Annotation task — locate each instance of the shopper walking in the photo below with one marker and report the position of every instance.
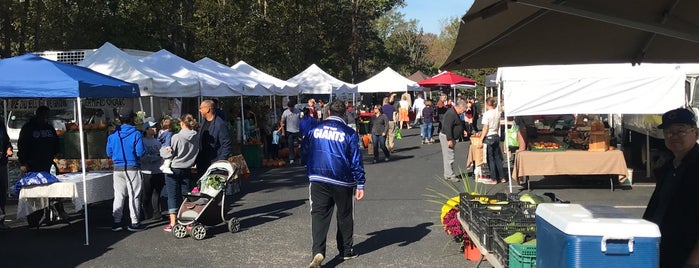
(452, 129)
(333, 181)
(379, 129)
(390, 111)
(125, 148)
(428, 117)
(291, 126)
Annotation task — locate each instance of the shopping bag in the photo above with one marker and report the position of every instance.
(482, 173)
(398, 134)
(512, 140)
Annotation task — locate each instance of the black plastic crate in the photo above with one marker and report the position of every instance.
(469, 204)
(500, 248)
(515, 222)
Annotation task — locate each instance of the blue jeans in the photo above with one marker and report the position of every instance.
(426, 129)
(176, 185)
(379, 141)
(290, 138)
(494, 156)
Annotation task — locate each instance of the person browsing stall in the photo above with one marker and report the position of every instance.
(125, 148)
(333, 182)
(491, 138)
(674, 205)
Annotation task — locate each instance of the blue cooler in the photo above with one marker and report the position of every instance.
(572, 235)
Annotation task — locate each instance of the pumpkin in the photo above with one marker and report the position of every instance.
(281, 163)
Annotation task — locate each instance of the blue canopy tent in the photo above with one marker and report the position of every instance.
(31, 76)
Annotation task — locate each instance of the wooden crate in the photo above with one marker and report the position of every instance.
(599, 141)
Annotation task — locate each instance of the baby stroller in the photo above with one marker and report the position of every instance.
(206, 207)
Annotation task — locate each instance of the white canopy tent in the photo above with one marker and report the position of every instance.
(251, 86)
(212, 85)
(314, 80)
(591, 89)
(278, 87)
(388, 80)
(112, 61)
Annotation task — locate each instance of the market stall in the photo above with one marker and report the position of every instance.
(30, 76)
(70, 186)
(585, 89)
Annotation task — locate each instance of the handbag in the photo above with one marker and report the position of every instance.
(398, 134)
(511, 136)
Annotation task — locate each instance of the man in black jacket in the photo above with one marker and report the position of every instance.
(5, 152)
(452, 129)
(674, 205)
(38, 145)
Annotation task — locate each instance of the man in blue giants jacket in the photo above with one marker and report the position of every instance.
(334, 170)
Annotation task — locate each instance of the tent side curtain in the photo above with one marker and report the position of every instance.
(529, 91)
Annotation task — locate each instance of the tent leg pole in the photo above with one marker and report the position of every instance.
(648, 156)
(84, 170)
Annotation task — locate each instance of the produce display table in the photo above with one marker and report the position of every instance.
(571, 162)
(485, 254)
(70, 186)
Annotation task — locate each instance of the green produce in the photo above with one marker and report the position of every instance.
(531, 242)
(516, 238)
(532, 199)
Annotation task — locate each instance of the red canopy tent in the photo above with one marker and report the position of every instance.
(446, 78)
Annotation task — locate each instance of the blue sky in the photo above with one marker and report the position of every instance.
(430, 13)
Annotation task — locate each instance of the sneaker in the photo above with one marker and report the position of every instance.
(317, 261)
(117, 227)
(373, 161)
(136, 227)
(489, 182)
(291, 162)
(350, 255)
(452, 179)
(168, 228)
(4, 227)
(386, 159)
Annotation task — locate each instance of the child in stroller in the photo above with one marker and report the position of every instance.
(201, 208)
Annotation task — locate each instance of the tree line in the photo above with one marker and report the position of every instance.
(350, 39)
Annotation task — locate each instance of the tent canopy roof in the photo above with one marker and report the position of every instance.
(314, 80)
(278, 87)
(387, 80)
(592, 89)
(112, 61)
(251, 86)
(31, 76)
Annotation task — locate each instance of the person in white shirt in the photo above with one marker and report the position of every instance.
(418, 105)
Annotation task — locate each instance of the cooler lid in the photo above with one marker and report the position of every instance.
(576, 219)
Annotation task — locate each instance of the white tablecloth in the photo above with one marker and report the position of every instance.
(99, 188)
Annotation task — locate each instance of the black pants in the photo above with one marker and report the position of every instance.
(152, 188)
(324, 197)
(3, 190)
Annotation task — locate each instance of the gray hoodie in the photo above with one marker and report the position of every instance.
(185, 147)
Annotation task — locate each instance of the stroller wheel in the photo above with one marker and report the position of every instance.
(234, 225)
(198, 231)
(179, 231)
